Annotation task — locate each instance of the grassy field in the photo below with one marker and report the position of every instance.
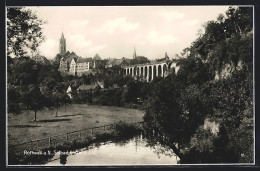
(22, 128)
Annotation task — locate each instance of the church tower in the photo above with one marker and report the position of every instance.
(62, 45)
(134, 56)
(166, 56)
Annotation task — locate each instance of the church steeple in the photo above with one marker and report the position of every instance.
(166, 56)
(134, 56)
(62, 44)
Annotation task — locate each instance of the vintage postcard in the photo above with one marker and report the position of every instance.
(130, 85)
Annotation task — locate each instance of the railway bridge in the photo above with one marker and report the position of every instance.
(148, 71)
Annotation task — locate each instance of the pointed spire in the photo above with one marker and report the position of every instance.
(134, 56)
(62, 46)
(166, 56)
(62, 36)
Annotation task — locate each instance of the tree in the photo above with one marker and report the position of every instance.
(163, 114)
(24, 72)
(133, 92)
(59, 96)
(58, 99)
(23, 30)
(13, 99)
(66, 100)
(36, 100)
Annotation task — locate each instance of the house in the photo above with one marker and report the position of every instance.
(97, 58)
(97, 62)
(89, 88)
(40, 59)
(69, 91)
(84, 65)
(101, 84)
(65, 62)
(117, 62)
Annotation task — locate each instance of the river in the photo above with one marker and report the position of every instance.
(134, 151)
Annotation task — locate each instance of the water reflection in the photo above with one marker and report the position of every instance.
(135, 151)
(63, 159)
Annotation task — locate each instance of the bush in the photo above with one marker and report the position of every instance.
(126, 130)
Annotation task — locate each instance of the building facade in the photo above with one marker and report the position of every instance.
(40, 59)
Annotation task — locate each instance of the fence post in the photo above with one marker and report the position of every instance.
(31, 145)
(54, 143)
(49, 141)
(67, 137)
(91, 130)
(80, 135)
(37, 146)
(104, 128)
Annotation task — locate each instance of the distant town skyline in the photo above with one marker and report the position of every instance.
(115, 31)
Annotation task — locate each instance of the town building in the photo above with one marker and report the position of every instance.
(69, 91)
(117, 62)
(89, 88)
(72, 64)
(40, 59)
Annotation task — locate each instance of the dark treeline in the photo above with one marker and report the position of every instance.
(33, 86)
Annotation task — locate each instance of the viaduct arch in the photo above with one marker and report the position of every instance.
(149, 71)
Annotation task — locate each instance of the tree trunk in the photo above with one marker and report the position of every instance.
(177, 152)
(35, 112)
(235, 27)
(57, 111)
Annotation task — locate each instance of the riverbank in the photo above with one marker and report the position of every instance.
(120, 132)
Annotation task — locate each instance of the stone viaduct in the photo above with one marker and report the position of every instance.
(149, 71)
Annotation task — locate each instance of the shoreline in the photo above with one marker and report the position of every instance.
(44, 154)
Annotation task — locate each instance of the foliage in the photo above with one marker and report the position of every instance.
(58, 99)
(126, 130)
(194, 71)
(23, 72)
(172, 112)
(13, 99)
(23, 30)
(36, 100)
(178, 105)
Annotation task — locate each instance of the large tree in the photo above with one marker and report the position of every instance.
(23, 31)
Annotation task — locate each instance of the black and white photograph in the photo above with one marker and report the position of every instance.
(159, 85)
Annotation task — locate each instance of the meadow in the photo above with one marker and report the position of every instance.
(22, 128)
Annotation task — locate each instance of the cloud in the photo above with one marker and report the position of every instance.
(119, 23)
(157, 38)
(49, 48)
(79, 23)
(97, 48)
(190, 22)
(79, 40)
(171, 15)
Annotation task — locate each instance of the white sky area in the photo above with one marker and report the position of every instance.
(114, 31)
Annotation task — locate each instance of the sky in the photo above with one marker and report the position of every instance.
(113, 32)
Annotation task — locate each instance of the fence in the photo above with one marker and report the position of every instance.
(37, 144)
